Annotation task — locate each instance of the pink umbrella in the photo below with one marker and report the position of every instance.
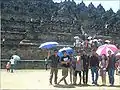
(105, 48)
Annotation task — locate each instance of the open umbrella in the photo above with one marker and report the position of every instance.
(16, 57)
(89, 37)
(76, 37)
(67, 49)
(107, 41)
(103, 49)
(95, 40)
(118, 54)
(48, 45)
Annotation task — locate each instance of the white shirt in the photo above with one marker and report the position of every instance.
(12, 61)
(66, 59)
(79, 63)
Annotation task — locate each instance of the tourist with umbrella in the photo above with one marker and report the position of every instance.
(13, 61)
(94, 65)
(54, 61)
(109, 50)
(48, 46)
(69, 52)
(111, 67)
(65, 63)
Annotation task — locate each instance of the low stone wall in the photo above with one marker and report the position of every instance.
(26, 64)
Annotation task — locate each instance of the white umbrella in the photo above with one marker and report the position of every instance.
(99, 39)
(95, 40)
(16, 57)
(65, 48)
(89, 37)
(76, 37)
(118, 54)
(108, 41)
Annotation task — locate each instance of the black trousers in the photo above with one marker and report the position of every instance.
(46, 66)
(75, 74)
(85, 76)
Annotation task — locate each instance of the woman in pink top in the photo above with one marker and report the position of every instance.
(103, 66)
(8, 66)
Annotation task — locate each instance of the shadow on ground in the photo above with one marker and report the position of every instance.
(82, 85)
(64, 86)
(118, 86)
(73, 86)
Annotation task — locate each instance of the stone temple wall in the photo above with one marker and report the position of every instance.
(39, 21)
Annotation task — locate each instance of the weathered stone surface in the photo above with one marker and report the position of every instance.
(43, 20)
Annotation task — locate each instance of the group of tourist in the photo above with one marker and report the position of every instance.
(80, 64)
(10, 65)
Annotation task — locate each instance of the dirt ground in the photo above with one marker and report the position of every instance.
(39, 79)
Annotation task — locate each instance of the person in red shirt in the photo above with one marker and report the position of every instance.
(8, 66)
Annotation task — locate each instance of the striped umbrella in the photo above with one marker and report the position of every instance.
(103, 49)
(48, 45)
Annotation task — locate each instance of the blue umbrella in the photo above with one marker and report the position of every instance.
(48, 45)
(67, 49)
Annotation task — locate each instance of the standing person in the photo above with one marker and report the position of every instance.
(78, 68)
(85, 59)
(111, 67)
(94, 65)
(8, 66)
(65, 63)
(54, 61)
(46, 63)
(103, 66)
(12, 62)
(118, 66)
(71, 67)
(46, 60)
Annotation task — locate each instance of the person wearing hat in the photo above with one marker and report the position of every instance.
(54, 61)
(65, 63)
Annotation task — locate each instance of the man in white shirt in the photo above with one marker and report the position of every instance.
(12, 62)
